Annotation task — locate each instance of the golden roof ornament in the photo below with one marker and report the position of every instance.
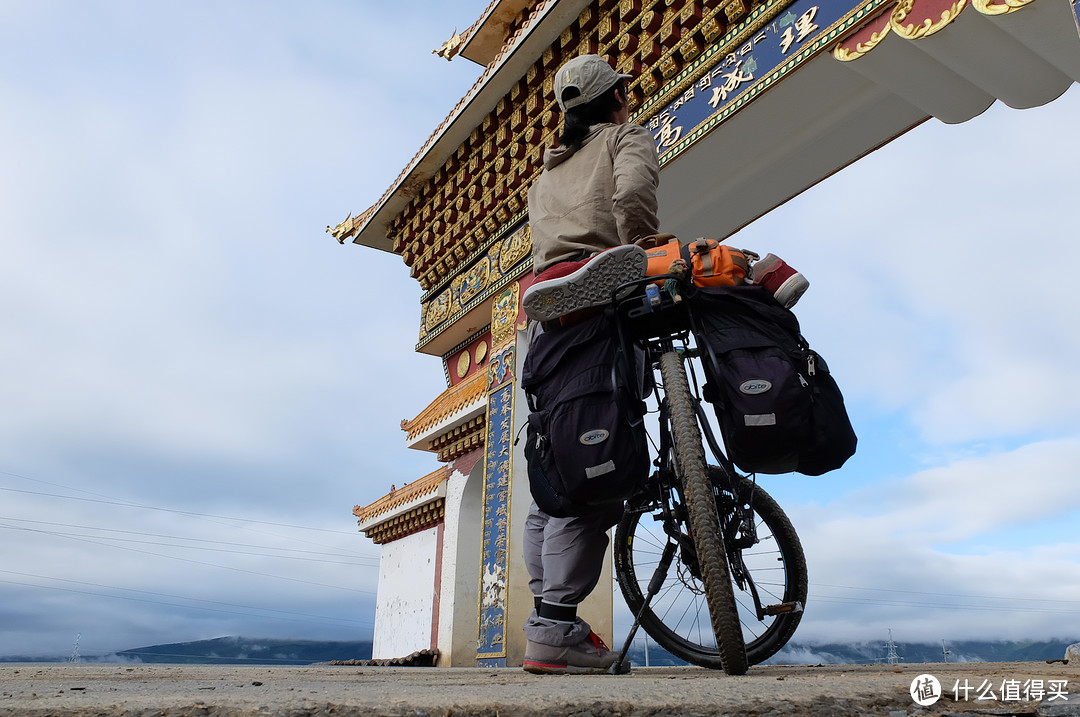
(451, 47)
(344, 230)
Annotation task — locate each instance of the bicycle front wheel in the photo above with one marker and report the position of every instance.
(677, 617)
(702, 516)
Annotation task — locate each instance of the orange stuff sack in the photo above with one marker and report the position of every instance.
(716, 264)
(661, 250)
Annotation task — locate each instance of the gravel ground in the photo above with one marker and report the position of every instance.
(35, 690)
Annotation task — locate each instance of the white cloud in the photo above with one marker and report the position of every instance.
(932, 554)
(177, 330)
(938, 270)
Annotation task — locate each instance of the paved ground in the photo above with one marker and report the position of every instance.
(35, 690)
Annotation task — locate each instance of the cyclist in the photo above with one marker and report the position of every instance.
(595, 197)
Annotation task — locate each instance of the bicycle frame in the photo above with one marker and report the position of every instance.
(652, 315)
(659, 328)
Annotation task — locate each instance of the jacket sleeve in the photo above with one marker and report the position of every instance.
(636, 175)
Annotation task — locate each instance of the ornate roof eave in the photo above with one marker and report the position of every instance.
(486, 37)
(848, 109)
(401, 500)
(455, 406)
(552, 16)
(929, 53)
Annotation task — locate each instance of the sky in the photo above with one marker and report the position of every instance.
(197, 383)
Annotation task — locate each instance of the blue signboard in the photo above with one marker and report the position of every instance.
(491, 634)
(758, 61)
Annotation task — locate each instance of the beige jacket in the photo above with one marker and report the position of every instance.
(598, 196)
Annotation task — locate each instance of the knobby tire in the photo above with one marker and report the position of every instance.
(776, 563)
(703, 516)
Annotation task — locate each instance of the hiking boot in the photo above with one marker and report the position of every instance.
(588, 657)
(587, 286)
(786, 284)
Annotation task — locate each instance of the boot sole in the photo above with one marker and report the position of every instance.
(791, 290)
(548, 668)
(589, 286)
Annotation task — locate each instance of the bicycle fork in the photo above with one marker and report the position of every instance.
(620, 667)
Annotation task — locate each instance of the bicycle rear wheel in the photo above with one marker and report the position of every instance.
(677, 617)
(703, 517)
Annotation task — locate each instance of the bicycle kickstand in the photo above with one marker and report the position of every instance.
(621, 666)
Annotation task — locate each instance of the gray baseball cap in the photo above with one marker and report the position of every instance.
(590, 75)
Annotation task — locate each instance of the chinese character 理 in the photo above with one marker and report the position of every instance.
(803, 27)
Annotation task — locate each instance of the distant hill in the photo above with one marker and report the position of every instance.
(959, 651)
(250, 651)
(228, 651)
(873, 652)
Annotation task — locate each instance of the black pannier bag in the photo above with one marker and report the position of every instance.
(778, 407)
(586, 443)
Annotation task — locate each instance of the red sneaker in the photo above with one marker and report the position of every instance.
(786, 284)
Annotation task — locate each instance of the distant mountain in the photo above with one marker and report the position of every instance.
(250, 651)
(959, 651)
(228, 651)
(873, 652)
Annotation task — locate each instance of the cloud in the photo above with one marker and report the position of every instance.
(177, 332)
(936, 271)
(933, 553)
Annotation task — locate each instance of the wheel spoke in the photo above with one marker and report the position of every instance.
(678, 618)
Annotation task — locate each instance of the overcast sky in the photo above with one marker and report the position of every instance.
(198, 383)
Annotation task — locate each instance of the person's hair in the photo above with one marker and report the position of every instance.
(577, 121)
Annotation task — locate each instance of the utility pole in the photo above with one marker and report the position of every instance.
(75, 649)
(891, 657)
(944, 652)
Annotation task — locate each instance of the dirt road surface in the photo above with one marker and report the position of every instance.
(1000, 688)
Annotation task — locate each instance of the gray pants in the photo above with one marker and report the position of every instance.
(565, 557)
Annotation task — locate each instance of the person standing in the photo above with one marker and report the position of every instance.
(594, 198)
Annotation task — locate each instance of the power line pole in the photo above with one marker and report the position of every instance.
(944, 652)
(892, 657)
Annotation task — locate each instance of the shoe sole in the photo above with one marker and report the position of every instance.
(791, 290)
(589, 286)
(547, 668)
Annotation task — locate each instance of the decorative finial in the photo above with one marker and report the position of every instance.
(344, 230)
(450, 47)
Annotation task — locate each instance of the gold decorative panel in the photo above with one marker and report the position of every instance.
(463, 214)
(473, 282)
